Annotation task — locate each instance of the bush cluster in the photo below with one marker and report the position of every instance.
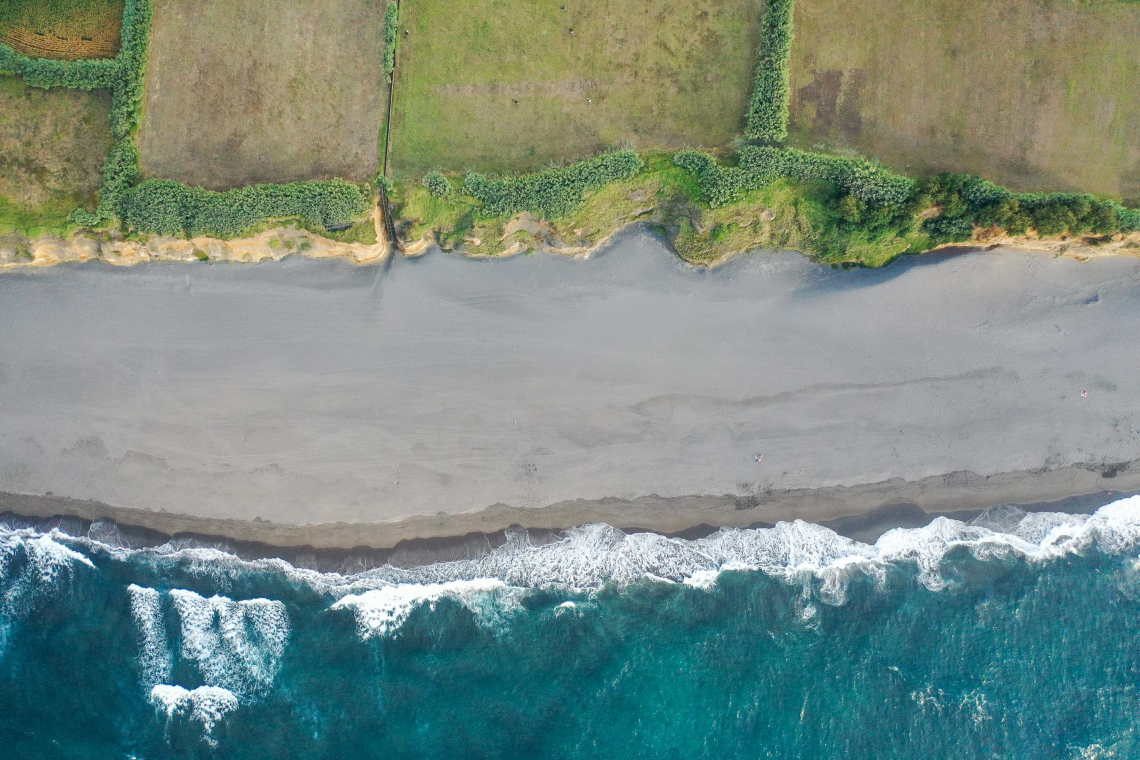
(768, 109)
(758, 166)
(391, 39)
(875, 200)
(720, 184)
(123, 76)
(552, 193)
(437, 184)
(164, 207)
(965, 201)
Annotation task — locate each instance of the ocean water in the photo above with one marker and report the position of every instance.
(1013, 636)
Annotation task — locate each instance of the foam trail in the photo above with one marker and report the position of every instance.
(206, 705)
(236, 645)
(155, 663)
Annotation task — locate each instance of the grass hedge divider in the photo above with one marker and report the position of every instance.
(768, 109)
(391, 39)
(164, 207)
(552, 193)
(758, 166)
(123, 76)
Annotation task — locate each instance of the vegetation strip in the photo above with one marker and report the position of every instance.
(768, 110)
(554, 192)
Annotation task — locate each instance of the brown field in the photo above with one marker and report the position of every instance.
(62, 29)
(1035, 94)
(263, 91)
(52, 146)
(502, 84)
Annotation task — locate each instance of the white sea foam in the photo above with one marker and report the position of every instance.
(32, 567)
(155, 663)
(236, 645)
(381, 611)
(590, 556)
(206, 704)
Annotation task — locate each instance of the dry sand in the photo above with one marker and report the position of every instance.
(326, 398)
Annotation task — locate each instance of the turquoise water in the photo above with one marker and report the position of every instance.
(1017, 636)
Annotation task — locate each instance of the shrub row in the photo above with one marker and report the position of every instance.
(965, 201)
(874, 199)
(759, 166)
(554, 192)
(768, 109)
(164, 207)
(391, 39)
(123, 76)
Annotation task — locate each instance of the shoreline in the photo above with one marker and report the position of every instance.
(862, 512)
(278, 243)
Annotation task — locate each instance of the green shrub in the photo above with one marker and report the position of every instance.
(720, 184)
(163, 207)
(123, 76)
(555, 192)
(437, 184)
(965, 201)
(768, 110)
(759, 166)
(391, 39)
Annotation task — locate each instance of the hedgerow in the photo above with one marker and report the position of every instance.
(391, 39)
(768, 109)
(164, 207)
(964, 201)
(759, 166)
(873, 199)
(123, 76)
(437, 184)
(555, 192)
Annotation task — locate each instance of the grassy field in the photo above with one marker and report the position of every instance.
(263, 91)
(52, 145)
(1034, 94)
(499, 85)
(66, 29)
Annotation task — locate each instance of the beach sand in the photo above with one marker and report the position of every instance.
(324, 403)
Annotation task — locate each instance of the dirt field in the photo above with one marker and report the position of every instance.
(52, 145)
(65, 29)
(1036, 94)
(263, 91)
(503, 85)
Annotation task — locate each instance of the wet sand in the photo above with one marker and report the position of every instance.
(330, 400)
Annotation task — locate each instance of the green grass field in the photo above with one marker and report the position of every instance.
(1034, 94)
(62, 28)
(52, 145)
(656, 73)
(263, 91)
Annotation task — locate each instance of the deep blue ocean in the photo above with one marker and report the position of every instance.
(1013, 636)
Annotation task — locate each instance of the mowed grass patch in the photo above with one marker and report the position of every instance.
(501, 85)
(52, 146)
(63, 29)
(239, 93)
(1032, 94)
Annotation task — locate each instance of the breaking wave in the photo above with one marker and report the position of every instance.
(32, 566)
(206, 705)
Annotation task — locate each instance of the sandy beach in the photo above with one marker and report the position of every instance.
(325, 403)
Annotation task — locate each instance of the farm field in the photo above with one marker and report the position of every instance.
(1033, 94)
(263, 91)
(52, 146)
(502, 85)
(63, 29)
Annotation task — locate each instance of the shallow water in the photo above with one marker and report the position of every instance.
(1013, 636)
